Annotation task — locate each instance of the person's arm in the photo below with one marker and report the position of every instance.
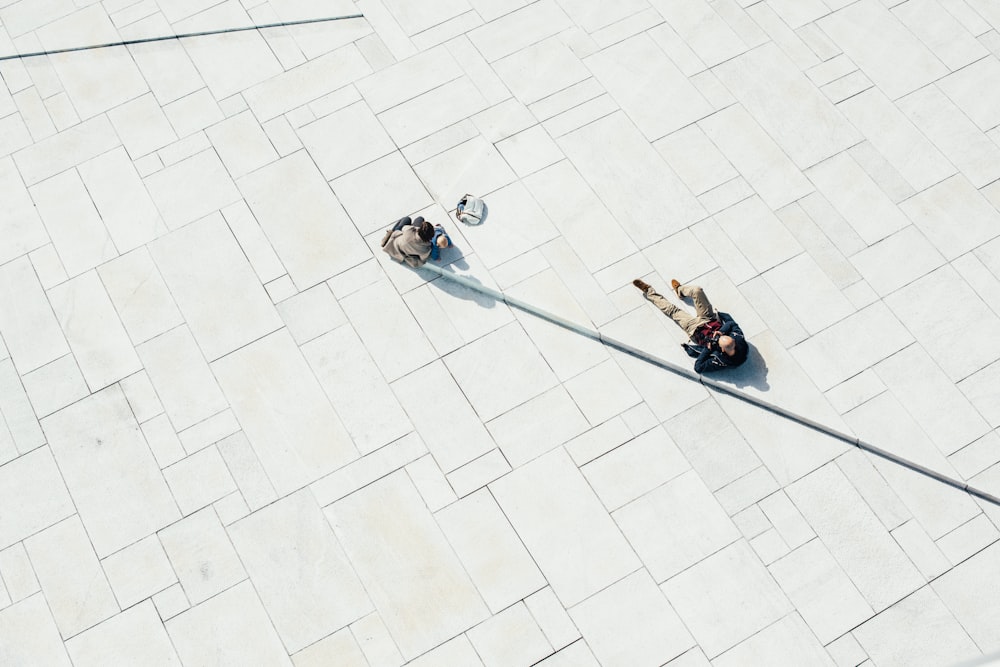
(706, 362)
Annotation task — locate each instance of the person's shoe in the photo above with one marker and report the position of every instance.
(640, 284)
(675, 286)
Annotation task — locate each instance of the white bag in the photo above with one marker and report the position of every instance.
(471, 210)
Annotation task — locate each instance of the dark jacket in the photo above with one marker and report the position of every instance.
(710, 358)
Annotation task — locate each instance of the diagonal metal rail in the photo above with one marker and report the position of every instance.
(716, 385)
(165, 38)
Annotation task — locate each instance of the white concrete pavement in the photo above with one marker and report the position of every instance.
(235, 433)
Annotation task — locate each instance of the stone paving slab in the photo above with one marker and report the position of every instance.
(232, 431)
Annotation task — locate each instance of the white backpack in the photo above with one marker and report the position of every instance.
(471, 210)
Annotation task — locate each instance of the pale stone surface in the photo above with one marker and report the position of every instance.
(279, 545)
(731, 577)
(406, 564)
(820, 590)
(229, 629)
(576, 545)
(202, 555)
(826, 169)
(30, 621)
(631, 623)
(115, 483)
(205, 270)
(869, 556)
(71, 577)
(135, 636)
(287, 417)
(919, 630)
(34, 494)
(685, 513)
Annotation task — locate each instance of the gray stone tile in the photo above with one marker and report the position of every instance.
(957, 137)
(199, 480)
(93, 330)
(75, 226)
(540, 70)
(34, 636)
(230, 628)
(96, 81)
(942, 32)
(182, 378)
(758, 233)
(646, 197)
(136, 636)
(712, 444)
(202, 555)
(911, 64)
(732, 576)
(511, 637)
(919, 630)
(122, 201)
(31, 330)
(345, 140)
(787, 115)
(821, 591)
(662, 527)
(285, 411)
(279, 546)
(228, 316)
(870, 213)
(575, 211)
(500, 371)
(71, 577)
(36, 495)
(22, 227)
(548, 498)
(624, 70)
(838, 353)
(954, 203)
(631, 623)
(380, 524)
(340, 646)
(537, 426)
(115, 483)
(774, 643)
(138, 571)
(360, 395)
(192, 188)
(493, 555)
(897, 260)
(54, 386)
(943, 288)
(855, 537)
(964, 590)
(635, 469)
(934, 402)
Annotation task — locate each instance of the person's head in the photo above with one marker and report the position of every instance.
(735, 349)
(426, 231)
(443, 242)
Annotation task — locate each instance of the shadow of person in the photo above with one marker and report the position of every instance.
(752, 373)
(455, 289)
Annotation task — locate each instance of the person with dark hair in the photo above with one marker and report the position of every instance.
(409, 241)
(716, 340)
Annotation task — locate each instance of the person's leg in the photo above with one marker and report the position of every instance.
(702, 306)
(402, 222)
(683, 320)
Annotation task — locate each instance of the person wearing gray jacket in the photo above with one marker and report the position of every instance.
(409, 241)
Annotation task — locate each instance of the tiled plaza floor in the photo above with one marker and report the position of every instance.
(235, 433)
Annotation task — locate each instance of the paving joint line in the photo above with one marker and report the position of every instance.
(164, 38)
(718, 386)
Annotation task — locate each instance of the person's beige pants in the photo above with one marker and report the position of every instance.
(702, 308)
